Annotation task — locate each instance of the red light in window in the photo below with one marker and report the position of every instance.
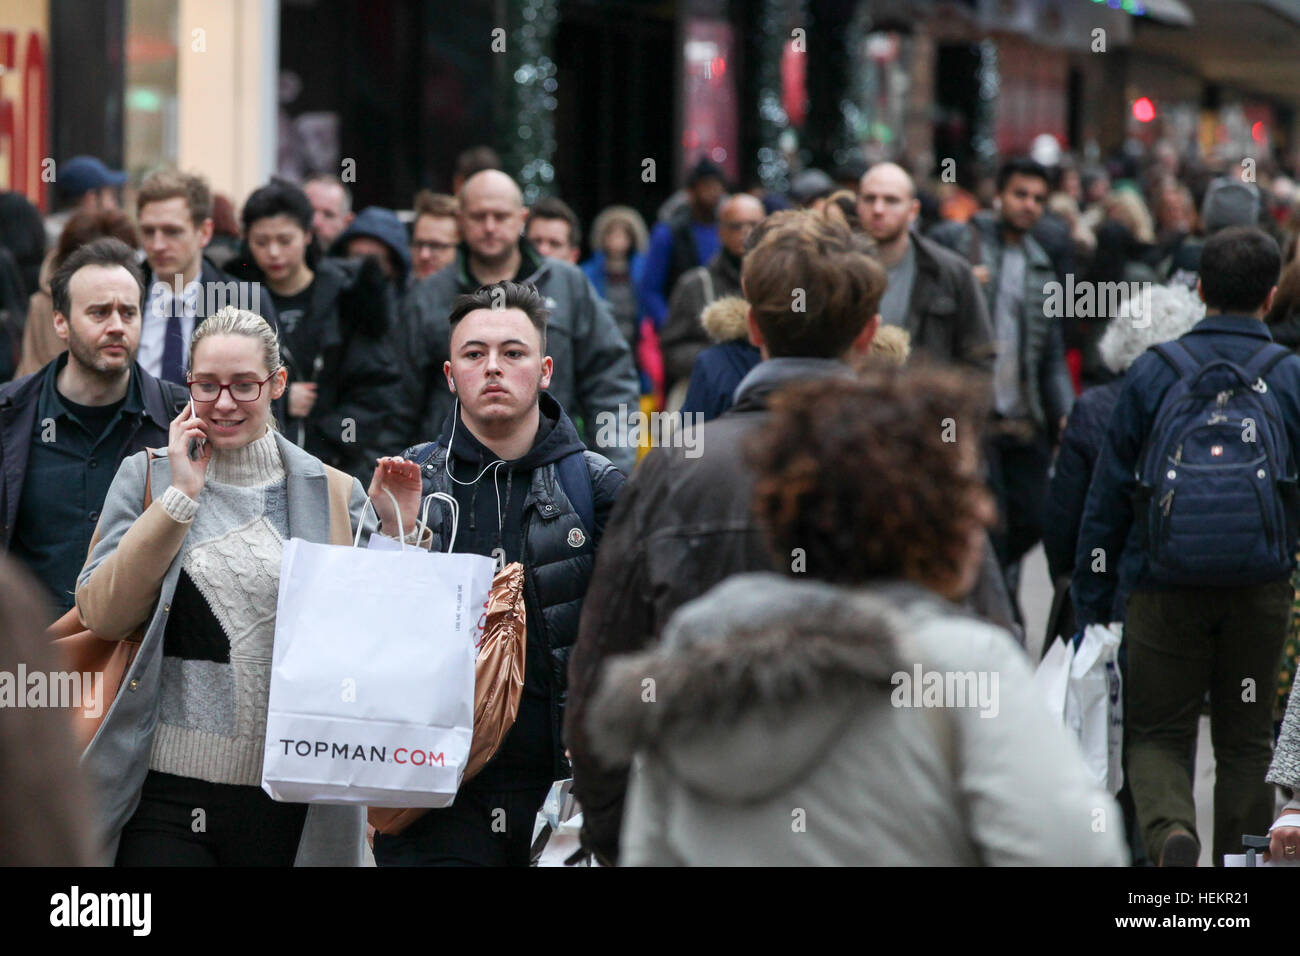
(1144, 111)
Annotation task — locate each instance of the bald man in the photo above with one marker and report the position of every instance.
(593, 368)
(932, 292)
(683, 337)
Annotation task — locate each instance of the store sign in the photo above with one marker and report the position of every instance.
(24, 114)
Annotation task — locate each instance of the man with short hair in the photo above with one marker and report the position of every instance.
(683, 337)
(332, 203)
(931, 292)
(174, 211)
(528, 491)
(685, 523)
(688, 239)
(1184, 641)
(594, 373)
(554, 229)
(65, 428)
(1032, 390)
(434, 234)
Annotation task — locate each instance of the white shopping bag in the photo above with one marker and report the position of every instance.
(557, 829)
(372, 674)
(1082, 686)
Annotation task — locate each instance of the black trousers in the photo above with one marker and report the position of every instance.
(1017, 469)
(482, 828)
(182, 821)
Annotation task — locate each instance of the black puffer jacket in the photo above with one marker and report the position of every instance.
(351, 362)
(543, 530)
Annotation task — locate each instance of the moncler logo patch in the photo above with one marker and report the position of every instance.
(576, 538)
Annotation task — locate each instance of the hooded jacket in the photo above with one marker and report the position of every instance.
(684, 523)
(375, 222)
(790, 726)
(720, 367)
(594, 372)
(351, 362)
(522, 508)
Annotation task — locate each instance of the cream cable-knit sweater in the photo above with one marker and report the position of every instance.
(217, 644)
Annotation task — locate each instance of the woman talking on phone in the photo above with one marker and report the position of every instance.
(188, 552)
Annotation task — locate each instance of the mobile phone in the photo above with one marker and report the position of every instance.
(196, 444)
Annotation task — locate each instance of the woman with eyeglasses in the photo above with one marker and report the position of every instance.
(186, 560)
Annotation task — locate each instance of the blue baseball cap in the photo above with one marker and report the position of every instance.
(81, 174)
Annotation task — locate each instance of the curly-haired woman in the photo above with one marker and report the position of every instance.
(846, 712)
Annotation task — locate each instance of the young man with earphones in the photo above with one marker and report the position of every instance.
(528, 491)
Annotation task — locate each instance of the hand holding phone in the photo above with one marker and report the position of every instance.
(188, 452)
(196, 444)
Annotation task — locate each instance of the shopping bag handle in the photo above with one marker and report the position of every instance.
(453, 504)
(424, 517)
(361, 524)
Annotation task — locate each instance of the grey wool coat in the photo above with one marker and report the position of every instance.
(117, 759)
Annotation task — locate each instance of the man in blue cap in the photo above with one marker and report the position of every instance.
(81, 183)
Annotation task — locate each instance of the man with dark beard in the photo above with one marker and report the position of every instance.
(65, 428)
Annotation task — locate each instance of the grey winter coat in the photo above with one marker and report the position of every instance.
(785, 730)
(117, 760)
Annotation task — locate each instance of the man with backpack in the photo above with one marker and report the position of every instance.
(528, 491)
(1195, 487)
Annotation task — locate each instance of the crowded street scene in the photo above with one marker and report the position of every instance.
(687, 433)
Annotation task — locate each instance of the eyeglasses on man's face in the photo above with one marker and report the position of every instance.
(239, 391)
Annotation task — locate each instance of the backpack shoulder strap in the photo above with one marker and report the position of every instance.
(1176, 354)
(575, 479)
(1262, 362)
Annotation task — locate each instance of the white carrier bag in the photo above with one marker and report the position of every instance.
(1082, 687)
(372, 674)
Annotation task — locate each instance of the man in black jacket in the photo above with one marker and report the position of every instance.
(66, 428)
(183, 288)
(528, 491)
(932, 292)
(344, 381)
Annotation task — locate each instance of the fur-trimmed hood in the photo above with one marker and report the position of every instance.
(725, 319)
(753, 683)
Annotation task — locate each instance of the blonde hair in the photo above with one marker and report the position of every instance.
(1126, 207)
(235, 321)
